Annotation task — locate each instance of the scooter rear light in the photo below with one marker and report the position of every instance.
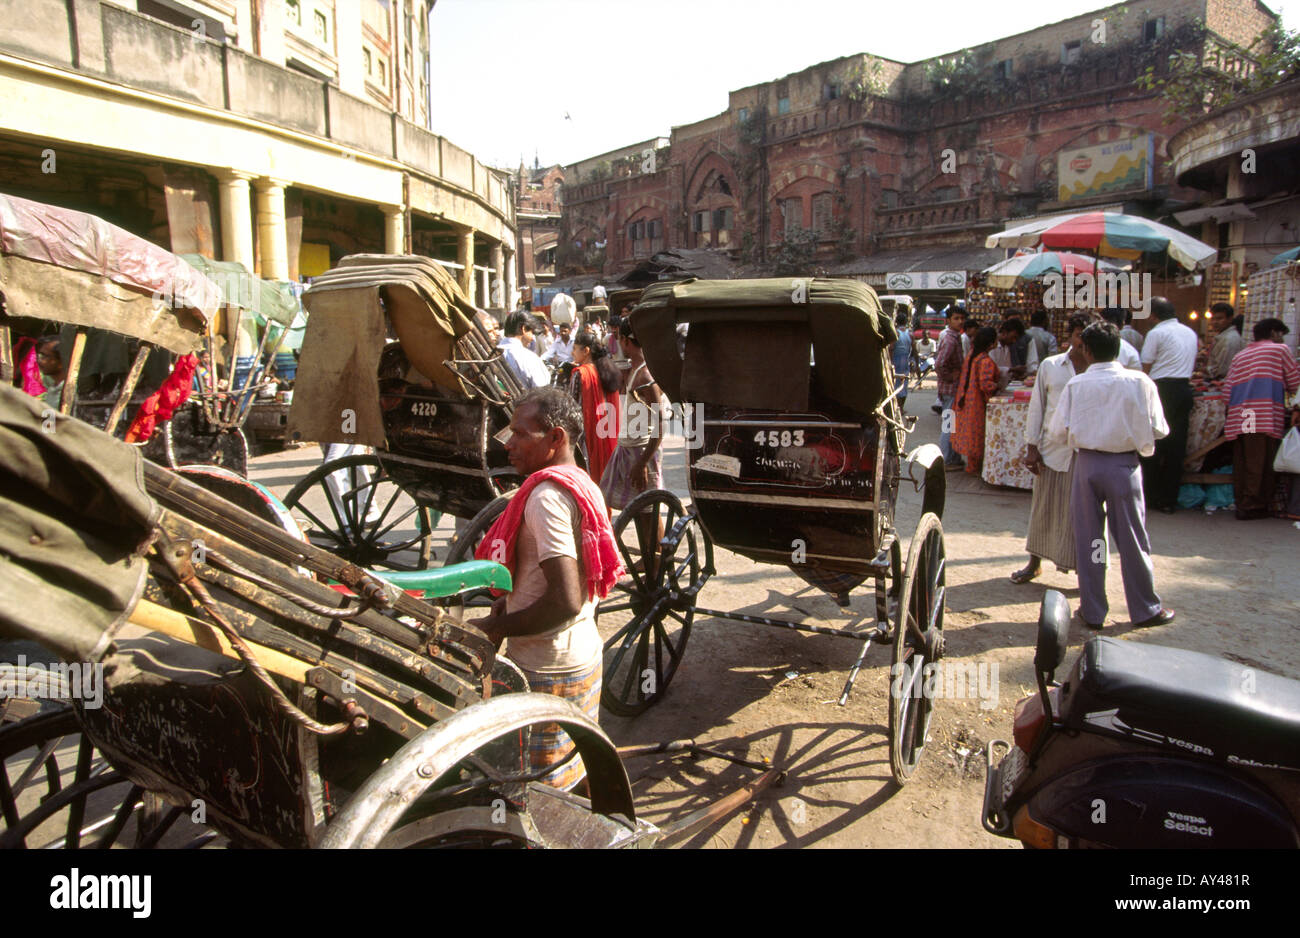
(1029, 721)
(1031, 833)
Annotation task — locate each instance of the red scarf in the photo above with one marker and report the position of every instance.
(599, 447)
(600, 557)
(159, 406)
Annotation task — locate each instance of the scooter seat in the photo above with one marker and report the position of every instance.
(1187, 702)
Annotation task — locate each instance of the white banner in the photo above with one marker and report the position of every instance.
(926, 280)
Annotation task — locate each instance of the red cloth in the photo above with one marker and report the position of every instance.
(161, 404)
(30, 369)
(600, 557)
(600, 446)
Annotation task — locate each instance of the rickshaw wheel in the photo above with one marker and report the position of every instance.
(467, 541)
(662, 549)
(371, 522)
(379, 813)
(58, 790)
(918, 643)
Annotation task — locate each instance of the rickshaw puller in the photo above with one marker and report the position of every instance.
(557, 543)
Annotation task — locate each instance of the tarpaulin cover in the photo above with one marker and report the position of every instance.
(74, 518)
(765, 326)
(346, 330)
(268, 299)
(78, 241)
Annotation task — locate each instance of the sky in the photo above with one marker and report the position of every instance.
(562, 80)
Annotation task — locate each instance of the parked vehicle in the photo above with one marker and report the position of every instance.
(1147, 746)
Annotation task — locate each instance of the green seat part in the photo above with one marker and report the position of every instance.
(448, 581)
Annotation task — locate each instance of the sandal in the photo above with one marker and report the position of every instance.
(1025, 574)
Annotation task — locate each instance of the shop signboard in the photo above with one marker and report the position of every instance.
(954, 280)
(1117, 166)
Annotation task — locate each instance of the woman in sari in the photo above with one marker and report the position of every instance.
(979, 381)
(595, 383)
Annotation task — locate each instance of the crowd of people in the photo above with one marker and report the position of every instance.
(1107, 426)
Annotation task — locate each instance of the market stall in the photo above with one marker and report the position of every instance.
(1004, 433)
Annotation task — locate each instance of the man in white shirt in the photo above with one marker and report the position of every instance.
(1016, 355)
(561, 349)
(1050, 533)
(1169, 355)
(516, 349)
(1109, 415)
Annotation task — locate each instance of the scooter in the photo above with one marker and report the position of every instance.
(1145, 746)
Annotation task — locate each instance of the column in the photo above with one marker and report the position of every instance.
(1236, 189)
(510, 298)
(236, 217)
(394, 229)
(273, 236)
(465, 257)
(498, 293)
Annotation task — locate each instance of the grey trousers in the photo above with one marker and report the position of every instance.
(1108, 488)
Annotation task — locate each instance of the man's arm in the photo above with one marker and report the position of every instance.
(561, 602)
(1150, 349)
(1059, 426)
(1159, 426)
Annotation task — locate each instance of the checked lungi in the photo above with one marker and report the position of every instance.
(1051, 534)
(548, 743)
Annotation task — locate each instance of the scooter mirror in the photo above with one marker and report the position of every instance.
(1053, 633)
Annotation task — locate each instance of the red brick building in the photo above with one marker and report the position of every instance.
(537, 210)
(868, 165)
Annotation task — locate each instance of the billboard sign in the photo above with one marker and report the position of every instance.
(1117, 166)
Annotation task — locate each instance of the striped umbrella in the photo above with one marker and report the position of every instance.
(1005, 274)
(1108, 234)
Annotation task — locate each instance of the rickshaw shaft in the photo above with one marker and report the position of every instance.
(877, 634)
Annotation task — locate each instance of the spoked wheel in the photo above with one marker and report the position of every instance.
(918, 645)
(648, 616)
(353, 508)
(404, 803)
(58, 790)
(468, 539)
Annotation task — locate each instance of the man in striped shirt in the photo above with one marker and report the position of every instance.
(1262, 375)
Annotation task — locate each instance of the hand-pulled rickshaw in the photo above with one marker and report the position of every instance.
(394, 359)
(254, 686)
(787, 390)
(131, 308)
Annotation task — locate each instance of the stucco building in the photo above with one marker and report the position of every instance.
(282, 134)
(874, 167)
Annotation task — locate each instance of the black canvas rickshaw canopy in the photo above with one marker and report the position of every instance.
(748, 342)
